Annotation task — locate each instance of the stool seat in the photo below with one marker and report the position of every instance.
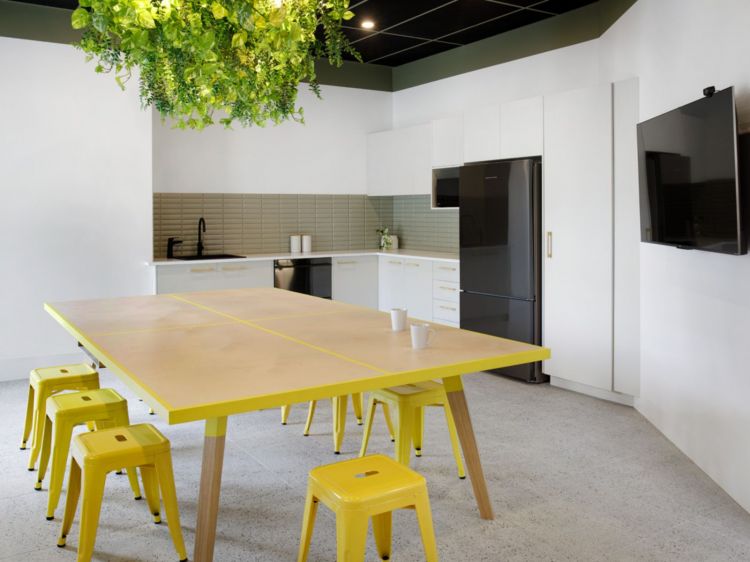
(63, 374)
(43, 383)
(365, 480)
(95, 454)
(110, 449)
(103, 407)
(364, 489)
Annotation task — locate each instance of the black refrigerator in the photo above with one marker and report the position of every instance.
(500, 239)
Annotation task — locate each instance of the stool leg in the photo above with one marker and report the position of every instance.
(44, 460)
(418, 433)
(339, 404)
(151, 489)
(424, 518)
(285, 413)
(121, 419)
(308, 524)
(382, 526)
(310, 415)
(388, 422)
(357, 404)
(93, 492)
(351, 536)
(71, 501)
(371, 405)
(29, 418)
(404, 434)
(63, 433)
(454, 440)
(40, 413)
(166, 483)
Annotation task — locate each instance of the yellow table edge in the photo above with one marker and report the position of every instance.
(381, 379)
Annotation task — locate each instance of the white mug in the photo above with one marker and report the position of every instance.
(421, 335)
(398, 319)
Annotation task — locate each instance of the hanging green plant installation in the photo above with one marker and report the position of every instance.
(243, 58)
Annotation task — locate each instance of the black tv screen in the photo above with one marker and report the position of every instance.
(690, 193)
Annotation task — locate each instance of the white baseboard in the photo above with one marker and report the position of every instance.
(17, 368)
(624, 399)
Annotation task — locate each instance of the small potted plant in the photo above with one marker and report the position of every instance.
(386, 241)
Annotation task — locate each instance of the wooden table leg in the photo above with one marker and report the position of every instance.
(210, 489)
(460, 410)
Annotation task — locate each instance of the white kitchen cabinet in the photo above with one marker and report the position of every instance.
(390, 283)
(355, 280)
(482, 133)
(577, 271)
(446, 293)
(406, 283)
(447, 142)
(522, 128)
(417, 288)
(209, 276)
(399, 162)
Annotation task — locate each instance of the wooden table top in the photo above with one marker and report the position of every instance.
(195, 356)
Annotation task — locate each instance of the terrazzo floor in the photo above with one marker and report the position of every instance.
(571, 478)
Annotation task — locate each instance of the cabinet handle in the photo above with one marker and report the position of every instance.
(448, 288)
(448, 308)
(202, 269)
(394, 262)
(447, 268)
(549, 244)
(350, 262)
(234, 268)
(413, 264)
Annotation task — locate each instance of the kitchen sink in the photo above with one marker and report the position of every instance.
(208, 257)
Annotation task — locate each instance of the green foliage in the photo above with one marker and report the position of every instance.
(244, 58)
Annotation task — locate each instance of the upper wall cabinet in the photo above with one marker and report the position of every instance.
(482, 133)
(447, 142)
(399, 162)
(522, 128)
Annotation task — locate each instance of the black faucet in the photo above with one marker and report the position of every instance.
(171, 243)
(201, 229)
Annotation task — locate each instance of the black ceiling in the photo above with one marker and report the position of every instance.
(408, 30)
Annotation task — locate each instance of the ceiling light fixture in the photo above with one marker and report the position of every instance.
(368, 24)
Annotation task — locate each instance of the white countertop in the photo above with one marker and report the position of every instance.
(404, 253)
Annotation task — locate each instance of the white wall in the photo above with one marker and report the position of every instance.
(695, 306)
(75, 178)
(325, 155)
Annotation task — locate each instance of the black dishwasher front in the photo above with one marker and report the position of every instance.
(311, 276)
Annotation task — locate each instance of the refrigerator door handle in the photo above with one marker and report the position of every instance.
(549, 244)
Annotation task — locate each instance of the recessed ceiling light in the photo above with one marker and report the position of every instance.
(368, 24)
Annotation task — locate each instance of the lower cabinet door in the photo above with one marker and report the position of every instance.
(417, 288)
(390, 283)
(355, 280)
(181, 278)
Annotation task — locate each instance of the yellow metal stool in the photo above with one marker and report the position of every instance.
(103, 406)
(410, 400)
(100, 452)
(364, 488)
(339, 406)
(43, 383)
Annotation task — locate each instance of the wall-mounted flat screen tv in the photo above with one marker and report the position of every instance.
(690, 189)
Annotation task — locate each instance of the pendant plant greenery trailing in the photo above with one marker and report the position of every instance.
(244, 58)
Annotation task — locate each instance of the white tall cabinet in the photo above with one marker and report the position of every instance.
(578, 227)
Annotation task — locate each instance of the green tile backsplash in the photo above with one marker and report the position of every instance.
(252, 223)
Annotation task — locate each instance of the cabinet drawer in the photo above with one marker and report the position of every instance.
(446, 310)
(446, 271)
(445, 291)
